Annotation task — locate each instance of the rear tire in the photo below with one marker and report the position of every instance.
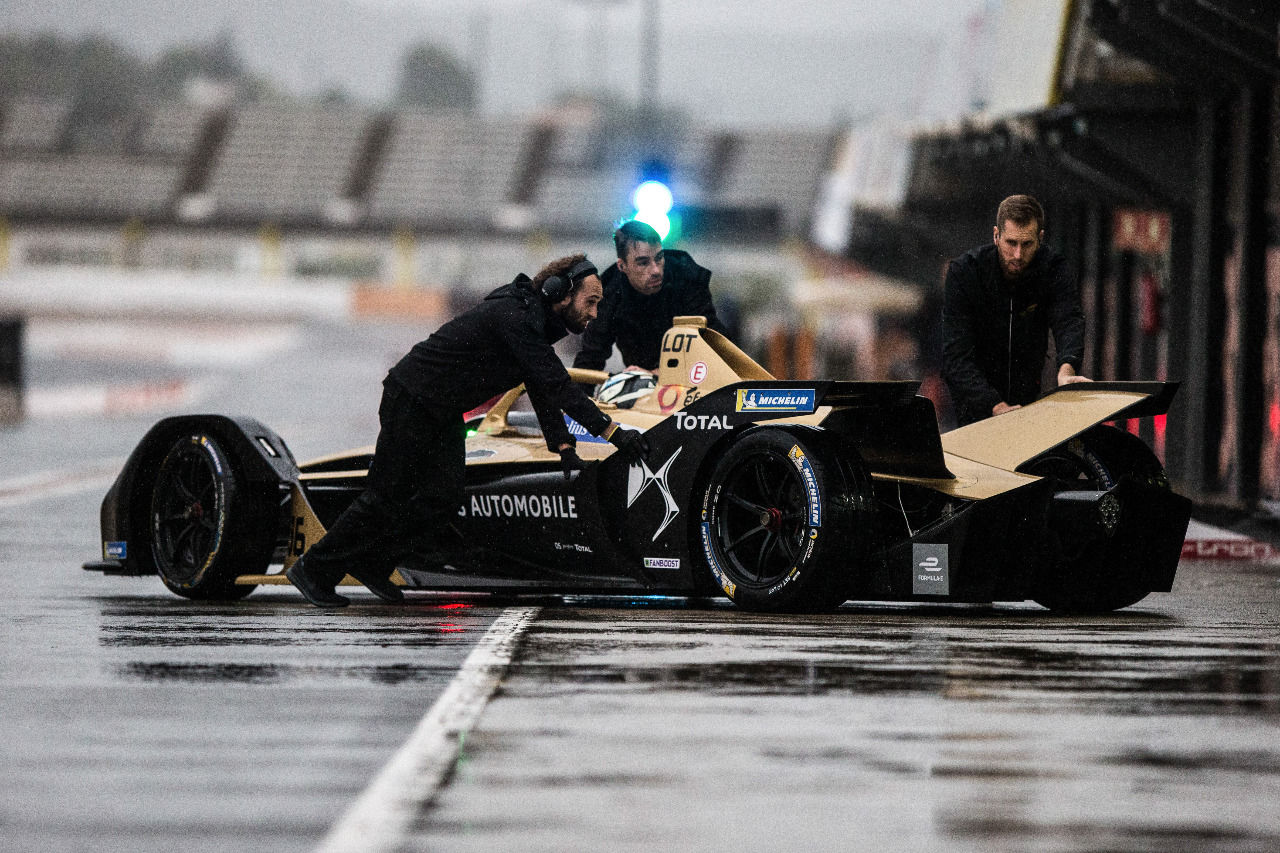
(1089, 577)
(785, 521)
(199, 522)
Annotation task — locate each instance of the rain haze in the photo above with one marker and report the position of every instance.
(751, 62)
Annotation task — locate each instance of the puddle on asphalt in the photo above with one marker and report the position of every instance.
(173, 630)
(1085, 837)
(148, 623)
(1245, 684)
(1126, 663)
(241, 673)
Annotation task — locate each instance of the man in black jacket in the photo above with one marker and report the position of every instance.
(999, 303)
(417, 477)
(642, 293)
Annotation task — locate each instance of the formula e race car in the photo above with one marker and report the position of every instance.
(781, 495)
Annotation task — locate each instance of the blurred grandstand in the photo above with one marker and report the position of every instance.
(337, 167)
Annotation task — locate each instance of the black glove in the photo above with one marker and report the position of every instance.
(570, 462)
(631, 443)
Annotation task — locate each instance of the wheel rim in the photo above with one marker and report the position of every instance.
(188, 512)
(760, 526)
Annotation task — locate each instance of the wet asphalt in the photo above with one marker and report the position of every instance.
(133, 720)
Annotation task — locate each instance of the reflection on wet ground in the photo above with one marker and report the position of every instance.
(1130, 663)
(889, 728)
(1172, 837)
(294, 641)
(242, 673)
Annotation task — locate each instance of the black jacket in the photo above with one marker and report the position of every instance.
(495, 346)
(985, 317)
(637, 322)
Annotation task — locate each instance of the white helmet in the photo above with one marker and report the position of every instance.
(623, 389)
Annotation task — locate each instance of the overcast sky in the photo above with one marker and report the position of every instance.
(795, 62)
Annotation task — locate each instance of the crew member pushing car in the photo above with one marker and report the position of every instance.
(417, 476)
(642, 293)
(999, 303)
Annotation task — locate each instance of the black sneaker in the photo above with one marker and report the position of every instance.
(313, 590)
(381, 587)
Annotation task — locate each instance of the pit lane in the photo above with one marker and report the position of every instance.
(132, 719)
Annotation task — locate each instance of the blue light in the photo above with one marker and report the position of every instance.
(652, 197)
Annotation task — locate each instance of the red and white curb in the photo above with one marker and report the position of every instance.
(137, 398)
(191, 343)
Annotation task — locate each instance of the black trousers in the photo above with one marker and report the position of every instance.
(415, 486)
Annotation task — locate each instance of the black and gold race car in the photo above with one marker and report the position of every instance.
(781, 495)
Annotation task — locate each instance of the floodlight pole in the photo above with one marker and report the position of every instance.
(650, 30)
(650, 48)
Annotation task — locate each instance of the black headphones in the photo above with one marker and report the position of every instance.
(556, 287)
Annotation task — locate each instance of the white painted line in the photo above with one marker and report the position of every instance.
(19, 491)
(380, 817)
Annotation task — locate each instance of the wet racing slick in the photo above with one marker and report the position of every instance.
(417, 477)
(999, 303)
(647, 287)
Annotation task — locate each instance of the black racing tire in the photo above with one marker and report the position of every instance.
(1087, 578)
(785, 522)
(197, 521)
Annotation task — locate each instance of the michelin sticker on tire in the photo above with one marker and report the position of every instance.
(710, 500)
(812, 495)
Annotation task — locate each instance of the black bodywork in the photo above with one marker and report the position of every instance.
(615, 528)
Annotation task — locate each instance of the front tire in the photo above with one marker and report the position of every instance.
(198, 521)
(785, 521)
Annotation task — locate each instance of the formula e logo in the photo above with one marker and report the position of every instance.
(640, 477)
(931, 575)
(775, 399)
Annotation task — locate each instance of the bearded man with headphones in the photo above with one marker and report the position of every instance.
(417, 477)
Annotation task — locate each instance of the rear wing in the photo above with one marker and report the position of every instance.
(1011, 440)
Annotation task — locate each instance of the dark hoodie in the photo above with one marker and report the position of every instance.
(995, 332)
(637, 322)
(502, 342)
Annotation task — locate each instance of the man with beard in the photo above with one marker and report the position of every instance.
(999, 303)
(417, 477)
